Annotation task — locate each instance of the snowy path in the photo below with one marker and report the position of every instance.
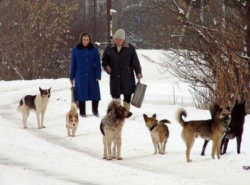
(48, 156)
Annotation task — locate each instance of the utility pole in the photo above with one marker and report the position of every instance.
(94, 39)
(108, 19)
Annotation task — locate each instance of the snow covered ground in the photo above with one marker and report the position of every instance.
(48, 156)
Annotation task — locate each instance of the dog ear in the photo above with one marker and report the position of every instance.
(154, 116)
(214, 109)
(145, 117)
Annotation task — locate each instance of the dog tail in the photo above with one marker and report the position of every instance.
(181, 112)
(101, 129)
(20, 104)
(73, 107)
(164, 121)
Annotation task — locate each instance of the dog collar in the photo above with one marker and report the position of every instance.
(227, 129)
(152, 127)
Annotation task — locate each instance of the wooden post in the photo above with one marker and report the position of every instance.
(114, 21)
(94, 39)
(108, 19)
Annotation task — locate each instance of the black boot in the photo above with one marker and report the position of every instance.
(95, 108)
(82, 108)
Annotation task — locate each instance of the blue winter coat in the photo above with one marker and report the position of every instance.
(85, 69)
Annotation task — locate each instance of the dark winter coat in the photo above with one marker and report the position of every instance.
(85, 69)
(123, 66)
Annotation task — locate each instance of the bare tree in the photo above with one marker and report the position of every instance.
(213, 57)
(34, 44)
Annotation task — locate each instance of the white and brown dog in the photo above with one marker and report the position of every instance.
(111, 128)
(159, 132)
(37, 103)
(72, 120)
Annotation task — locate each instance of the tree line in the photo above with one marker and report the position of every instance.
(209, 39)
(37, 36)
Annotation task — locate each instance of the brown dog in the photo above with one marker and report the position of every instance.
(72, 120)
(212, 129)
(111, 128)
(159, 132)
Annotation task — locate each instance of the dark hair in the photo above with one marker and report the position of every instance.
(85, 35)
(80, 45)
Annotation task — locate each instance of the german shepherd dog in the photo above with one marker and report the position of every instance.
(159, 132)
(235, 128)
(111, 128)
(37, 103)
(212, 129)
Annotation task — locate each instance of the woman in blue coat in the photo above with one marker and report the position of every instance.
(85, 71)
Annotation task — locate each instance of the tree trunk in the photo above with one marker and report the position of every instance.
(248, 35)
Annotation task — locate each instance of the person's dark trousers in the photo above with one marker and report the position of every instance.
(82, 108)
(95, 108)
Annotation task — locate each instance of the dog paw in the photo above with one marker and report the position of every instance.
(39, 127)
(104, 157)
(119, 158)
(24, 127)
(43, 127)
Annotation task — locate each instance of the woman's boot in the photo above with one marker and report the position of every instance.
(82, 108)
(95, 108)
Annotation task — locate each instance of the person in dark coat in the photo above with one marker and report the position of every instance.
(85, 72)
(120, 61)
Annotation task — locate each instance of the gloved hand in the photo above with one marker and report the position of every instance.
(108, 69)
(139, 76)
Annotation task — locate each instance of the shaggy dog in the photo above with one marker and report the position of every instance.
(212, 129)
(111, 128)
(72, 120)
(37, 103)
(159, 132)
(235, 128)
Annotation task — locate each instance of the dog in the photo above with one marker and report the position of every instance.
(235, 128)
(37, 103)
(111, 128)
(212, 129)
(72, 120)
(159, 132)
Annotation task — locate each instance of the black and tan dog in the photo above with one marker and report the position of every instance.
(159, 132)
(235, 130)
(212, 129)
(111, 128)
